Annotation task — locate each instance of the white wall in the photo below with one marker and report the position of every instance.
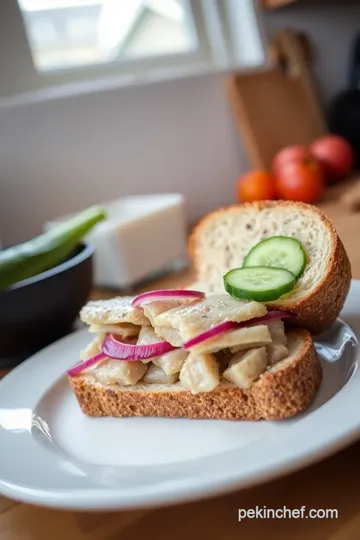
(62, 155)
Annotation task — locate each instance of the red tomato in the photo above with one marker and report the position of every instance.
(335, 155)
(256, 186)
(300, 180)
(288, 154)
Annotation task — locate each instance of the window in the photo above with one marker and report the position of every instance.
(65, 34)
(47, 43)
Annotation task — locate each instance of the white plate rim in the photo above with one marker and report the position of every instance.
(335, 425)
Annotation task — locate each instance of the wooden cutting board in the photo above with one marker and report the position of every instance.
(278, 106)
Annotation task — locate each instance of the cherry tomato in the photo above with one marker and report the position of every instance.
(300, 180)
(256, 186)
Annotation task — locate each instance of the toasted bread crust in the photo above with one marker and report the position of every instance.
(278, 394)
(319, 309)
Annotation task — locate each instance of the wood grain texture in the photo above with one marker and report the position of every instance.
(333, 483)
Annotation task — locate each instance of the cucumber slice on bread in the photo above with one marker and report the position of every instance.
(260, 283)
(279, 252)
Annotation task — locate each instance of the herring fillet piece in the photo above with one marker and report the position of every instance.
(277, 331)
(277, 334)
(155, 375)
(147, 336)
(113, 311)
(170, 334)
(153, 309)
(192, 319)
(123, 330)
(122, 373)
(200, 373)
(246, 366)
(171, 362)
(236, 340)
(276, 352)
(93, 348)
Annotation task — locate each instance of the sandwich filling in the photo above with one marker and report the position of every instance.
(239, 356)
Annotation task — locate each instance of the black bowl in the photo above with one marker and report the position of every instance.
(41, 309)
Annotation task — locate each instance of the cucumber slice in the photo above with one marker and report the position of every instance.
(259, 283)
(279, 252)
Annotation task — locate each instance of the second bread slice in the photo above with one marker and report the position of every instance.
(223, 238)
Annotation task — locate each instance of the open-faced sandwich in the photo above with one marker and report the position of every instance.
(237, 344)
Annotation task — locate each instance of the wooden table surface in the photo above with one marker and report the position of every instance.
(331, 484)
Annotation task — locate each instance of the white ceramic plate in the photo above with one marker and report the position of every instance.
(52, 455)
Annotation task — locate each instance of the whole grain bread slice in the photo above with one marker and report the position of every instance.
(223, 238)
(283, 391)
